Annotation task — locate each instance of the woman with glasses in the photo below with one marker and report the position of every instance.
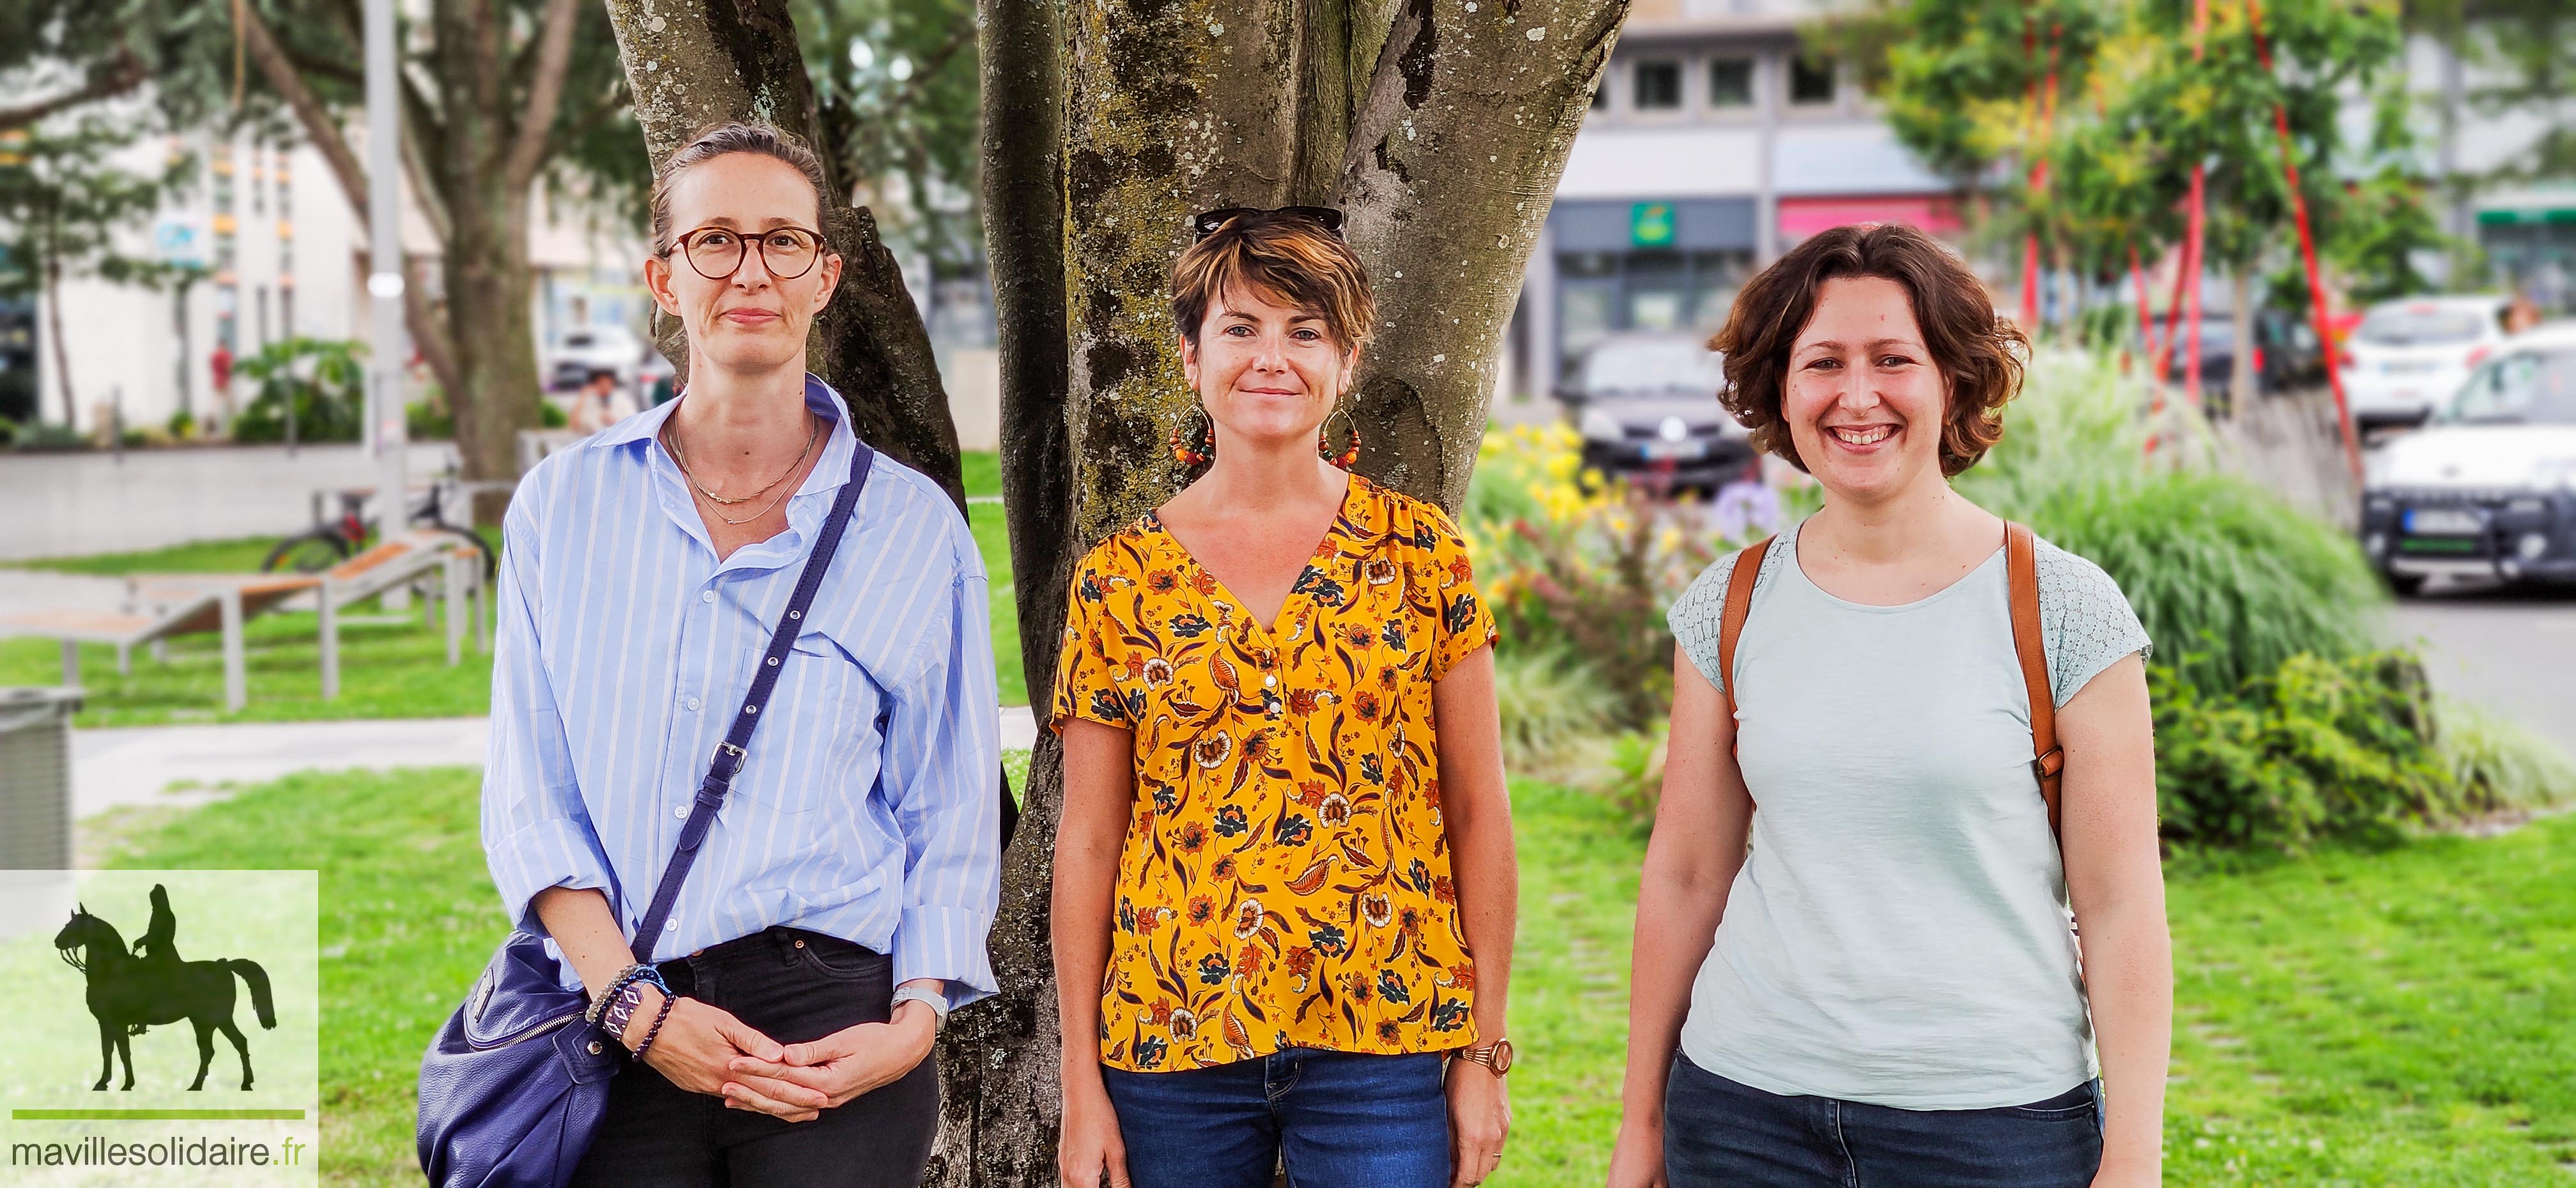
(837, 906)
(1284, 881)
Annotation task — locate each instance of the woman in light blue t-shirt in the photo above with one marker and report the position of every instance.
(1875, 977)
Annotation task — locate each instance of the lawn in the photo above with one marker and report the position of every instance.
(2404, 1017)
(389, 668)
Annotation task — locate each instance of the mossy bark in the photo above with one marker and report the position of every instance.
(692, 63)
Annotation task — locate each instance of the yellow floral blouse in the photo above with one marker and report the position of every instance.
(1285, 881)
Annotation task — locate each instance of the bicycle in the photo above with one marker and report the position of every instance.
(335, 540)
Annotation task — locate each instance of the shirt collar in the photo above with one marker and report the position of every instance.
(820, 400)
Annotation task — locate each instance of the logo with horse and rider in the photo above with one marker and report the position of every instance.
(162, 1028)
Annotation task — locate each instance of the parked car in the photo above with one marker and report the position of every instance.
(2285, 353)
(2407, 357)
(594, 348)
(1647, 407)
(2488, 486)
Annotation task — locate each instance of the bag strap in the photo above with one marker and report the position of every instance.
(729, 754)
(1730, 623)
(2021, 569)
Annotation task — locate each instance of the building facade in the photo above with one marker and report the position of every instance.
(1714, 142)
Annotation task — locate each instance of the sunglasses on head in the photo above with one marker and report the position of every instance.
(1209, 222)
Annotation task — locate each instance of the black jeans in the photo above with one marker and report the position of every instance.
(1720, 1133)
(794, 986)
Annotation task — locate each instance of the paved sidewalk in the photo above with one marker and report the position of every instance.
(138, 766)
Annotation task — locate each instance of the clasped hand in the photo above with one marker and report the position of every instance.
(704, 1049)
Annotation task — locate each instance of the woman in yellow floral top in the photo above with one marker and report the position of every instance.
(1284, 878)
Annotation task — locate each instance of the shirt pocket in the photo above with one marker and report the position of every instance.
(820, 722)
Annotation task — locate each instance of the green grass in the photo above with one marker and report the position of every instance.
(982, 472)
(408, 918)
(206, 556)
(390, 667)
(2403, 1017)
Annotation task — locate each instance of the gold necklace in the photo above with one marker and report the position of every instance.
(813, 430)
(671, 443)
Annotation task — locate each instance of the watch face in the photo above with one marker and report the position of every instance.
(1502, 1056)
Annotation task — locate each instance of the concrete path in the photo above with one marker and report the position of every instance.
(65, 505)
(114, 769)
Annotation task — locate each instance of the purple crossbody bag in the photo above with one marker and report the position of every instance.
(514, 1085)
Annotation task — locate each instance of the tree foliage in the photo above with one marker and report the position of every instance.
(2140, 98)
(67, 211)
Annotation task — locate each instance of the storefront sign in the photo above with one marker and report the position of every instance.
(1650, 224)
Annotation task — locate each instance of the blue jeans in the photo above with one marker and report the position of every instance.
(1721, 1132)
(1336, 1119)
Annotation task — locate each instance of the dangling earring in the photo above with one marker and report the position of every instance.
(1194, 449)
(1324, 440)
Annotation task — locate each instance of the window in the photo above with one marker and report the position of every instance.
(1811, 80)
(1730, 82)
(1659, 85)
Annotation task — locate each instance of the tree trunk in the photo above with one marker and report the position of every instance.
(1440, 126)
(691, 63)
(62, 353)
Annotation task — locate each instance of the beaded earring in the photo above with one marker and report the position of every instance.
(1324, 442)
(1194, 449)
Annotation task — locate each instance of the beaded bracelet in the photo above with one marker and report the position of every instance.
(655, 1030)
(630, 974)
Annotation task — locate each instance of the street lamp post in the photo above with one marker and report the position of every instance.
(385, 272)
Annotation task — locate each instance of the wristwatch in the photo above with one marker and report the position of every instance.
(936, 1001)
(1493, 1054)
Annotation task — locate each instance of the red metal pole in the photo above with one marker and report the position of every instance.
(2307, 249)
(2192, 238)
(2038, 178)
(2146, 321)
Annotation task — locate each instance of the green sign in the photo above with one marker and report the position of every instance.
(1650, 224)
(2511, 215)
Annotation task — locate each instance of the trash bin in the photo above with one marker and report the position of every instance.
(36, 777)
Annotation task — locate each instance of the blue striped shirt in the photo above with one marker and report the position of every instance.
(866, 807)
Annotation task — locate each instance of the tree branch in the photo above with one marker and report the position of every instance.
(545, 94)
(124, 73)
(319, 127)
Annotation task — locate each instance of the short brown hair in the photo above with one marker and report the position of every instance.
(1283, 259)
(1979, 354)
(725, 139)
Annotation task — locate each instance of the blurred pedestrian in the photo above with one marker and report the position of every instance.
(1885, 988)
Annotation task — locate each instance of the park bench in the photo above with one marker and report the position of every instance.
(160, 606)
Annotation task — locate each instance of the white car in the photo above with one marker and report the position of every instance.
(594, 348)
(2407, 357)
(2488, 487)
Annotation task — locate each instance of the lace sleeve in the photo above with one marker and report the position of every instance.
(2085, 620)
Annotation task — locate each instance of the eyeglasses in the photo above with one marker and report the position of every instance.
(1209, 222)
(717, 253)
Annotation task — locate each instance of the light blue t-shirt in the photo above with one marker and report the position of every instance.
(1899, 934)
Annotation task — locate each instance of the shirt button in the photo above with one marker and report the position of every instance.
(693, 703)
(670, 926)
(681, 811)
(1271, 681)
(706, 595)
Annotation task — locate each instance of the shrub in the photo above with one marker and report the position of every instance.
(2224, 575)
(2317, 749)
(319, 378)
(1551, 699)
(1601, 585)
(2501, 765)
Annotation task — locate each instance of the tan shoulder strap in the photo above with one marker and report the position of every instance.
(1730, 624)
(2021, 568)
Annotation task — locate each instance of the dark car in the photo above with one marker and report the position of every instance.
(2285, 352)
(1647, 407)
